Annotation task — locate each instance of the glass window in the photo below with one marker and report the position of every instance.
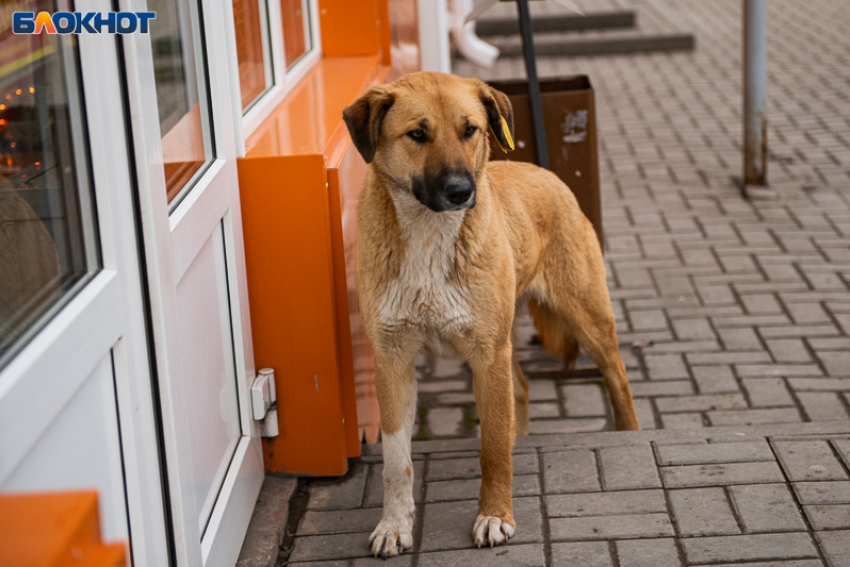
(48, 233)
(255, 70)
(295, 16)
(182, 94)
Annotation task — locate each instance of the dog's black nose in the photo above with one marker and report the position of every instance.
(458, 190)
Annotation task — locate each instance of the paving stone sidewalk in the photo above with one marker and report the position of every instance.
(729, 312)
(761, 496)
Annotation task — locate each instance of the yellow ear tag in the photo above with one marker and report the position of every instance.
(507, 132)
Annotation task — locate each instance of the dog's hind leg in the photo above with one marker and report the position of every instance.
(596, 332)
(395, 384)
(520, 397)
(493, 388)
(554, 333)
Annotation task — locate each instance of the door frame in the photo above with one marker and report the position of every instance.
(166, 238)
(106, 317)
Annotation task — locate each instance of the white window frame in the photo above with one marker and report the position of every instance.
(284, 80)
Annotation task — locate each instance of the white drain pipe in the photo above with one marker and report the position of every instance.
(472, 47)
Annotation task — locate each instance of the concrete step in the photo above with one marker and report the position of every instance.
(596, 43)
(558, 23)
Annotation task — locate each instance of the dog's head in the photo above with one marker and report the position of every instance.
(428, 133)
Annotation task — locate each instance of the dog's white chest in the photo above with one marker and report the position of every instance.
(422, 295)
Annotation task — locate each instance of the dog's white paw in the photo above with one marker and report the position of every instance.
(391, 537)
(491, 530)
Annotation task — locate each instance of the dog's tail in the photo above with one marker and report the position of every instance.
(554, 333)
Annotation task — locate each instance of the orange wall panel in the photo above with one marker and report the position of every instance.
(350, 27)
(293, 309)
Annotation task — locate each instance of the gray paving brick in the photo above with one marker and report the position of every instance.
(541, 390)
(788, 350)
(449, 469)
(648, 320)
(701, 403)
(645, 413)
(605, 503)
(585, 553)
(819, 384)
(828, 516)
(570, 471)
(767, 392)
(442, 491)
(611, 527)
(792, 563)
(754, 416)
(445, 421)
(823, 492)
(339, 521)
(662, 388)
(761, 303)
(702, 512)
(438, 386)
(693, 329)
(766, 508)
(822, 406)
(809, 460)
(836, 547)
(627, 468)
(735, 357)
(648, 553)
(721, 474)
(405, 560)
(843, 448)
(448, 525)
(682, 420)
(322, 547)
(665, 367)
(715, 453)
(727, 549)
(584, 400)
(341, 563)
(575, 425)
(529, 555)
(339, 494)
(747, 370)
(543, 409)
(715, 379)
(741, 338)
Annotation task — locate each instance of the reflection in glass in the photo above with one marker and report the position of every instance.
(48, 242)
(254, 75)
(296, 30)
(181, 92)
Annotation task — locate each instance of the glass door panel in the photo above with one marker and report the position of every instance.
(182, 93)
(296, 30)
(48, 236)
(255, 70)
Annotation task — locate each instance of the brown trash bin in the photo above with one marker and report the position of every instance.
(570, 118)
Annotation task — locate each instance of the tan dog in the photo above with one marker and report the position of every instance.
(447, 246)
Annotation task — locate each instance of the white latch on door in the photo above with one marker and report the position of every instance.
(264, 402)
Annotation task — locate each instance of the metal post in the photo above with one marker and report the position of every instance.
(533, 84)
(755, 92)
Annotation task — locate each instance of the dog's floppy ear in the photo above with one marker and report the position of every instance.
(500, 115)
(364, 118)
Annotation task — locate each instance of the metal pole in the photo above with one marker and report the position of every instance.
(755, 92)
(533, 84)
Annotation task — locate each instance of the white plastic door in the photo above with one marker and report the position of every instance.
(183, 130)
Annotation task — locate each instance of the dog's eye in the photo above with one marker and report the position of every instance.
(470, 130)
(417, 135)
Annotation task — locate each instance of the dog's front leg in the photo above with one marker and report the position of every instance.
(395, 384)
(493, 387)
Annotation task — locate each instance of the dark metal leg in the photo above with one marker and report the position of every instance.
(533, 84)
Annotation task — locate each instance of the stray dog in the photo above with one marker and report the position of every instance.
(447, 246)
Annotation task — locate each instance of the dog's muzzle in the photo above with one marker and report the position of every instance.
(448, 191)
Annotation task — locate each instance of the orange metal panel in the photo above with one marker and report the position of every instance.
(350, 27)
(293, 308)
(54, 530)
